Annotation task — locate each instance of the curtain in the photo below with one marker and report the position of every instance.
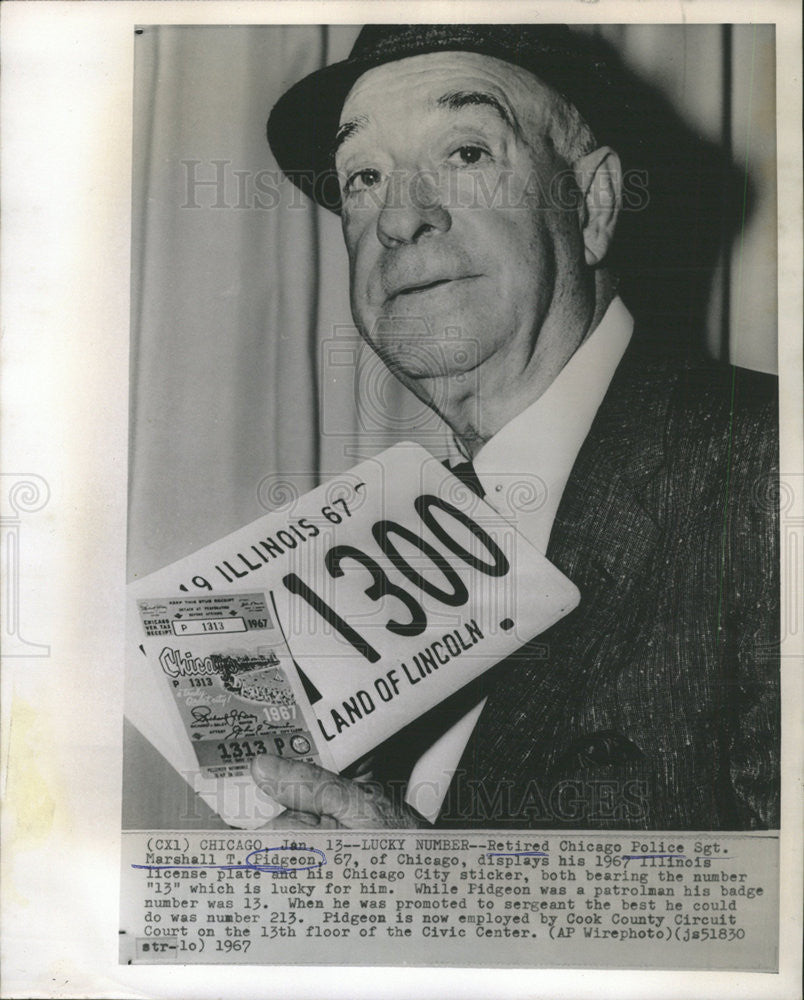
(248, 379)
(720, 81)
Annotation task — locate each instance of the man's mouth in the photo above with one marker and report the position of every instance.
(426, 286)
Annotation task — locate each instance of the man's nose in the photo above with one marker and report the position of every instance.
(413, 208)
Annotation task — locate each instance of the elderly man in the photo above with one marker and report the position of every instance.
(475, 196)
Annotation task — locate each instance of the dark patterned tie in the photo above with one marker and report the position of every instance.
(465, 471)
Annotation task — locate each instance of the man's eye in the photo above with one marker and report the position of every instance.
(468, 156)
(361, 180)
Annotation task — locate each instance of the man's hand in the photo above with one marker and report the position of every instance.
(315, 797)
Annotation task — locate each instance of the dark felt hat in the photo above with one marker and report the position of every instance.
(303, 123)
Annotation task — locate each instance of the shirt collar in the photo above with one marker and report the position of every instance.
(525, 466)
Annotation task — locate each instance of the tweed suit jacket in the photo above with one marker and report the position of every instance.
(655, 704)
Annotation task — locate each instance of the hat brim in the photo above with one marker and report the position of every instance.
(304, 122)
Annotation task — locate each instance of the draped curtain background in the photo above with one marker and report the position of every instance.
(247, 377)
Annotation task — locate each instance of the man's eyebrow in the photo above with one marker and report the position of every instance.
(345, 131)
(454, 100)
(457, 99)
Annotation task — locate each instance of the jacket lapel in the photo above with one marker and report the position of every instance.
(608, 521)
(605, 532)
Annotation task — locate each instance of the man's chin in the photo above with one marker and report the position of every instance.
(417, 364)
(425, 347)
(400, 327)
(432, 359)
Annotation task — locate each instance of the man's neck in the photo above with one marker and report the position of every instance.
(478, 405)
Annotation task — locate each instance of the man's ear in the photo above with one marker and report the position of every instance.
(599, 176)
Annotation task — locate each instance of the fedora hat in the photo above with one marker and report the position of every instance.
(303, 123)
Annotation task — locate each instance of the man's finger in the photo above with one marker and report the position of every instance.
(294, 821)
(308, 788)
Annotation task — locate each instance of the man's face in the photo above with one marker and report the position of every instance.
(450, 227)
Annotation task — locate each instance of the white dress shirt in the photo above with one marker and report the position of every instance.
(523, 470)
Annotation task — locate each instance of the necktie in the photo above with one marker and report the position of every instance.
(465, 471)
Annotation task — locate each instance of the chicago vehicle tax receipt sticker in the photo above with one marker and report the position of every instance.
(235, 687)
(392, 585)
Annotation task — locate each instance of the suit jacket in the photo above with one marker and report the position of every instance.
(653, 705)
